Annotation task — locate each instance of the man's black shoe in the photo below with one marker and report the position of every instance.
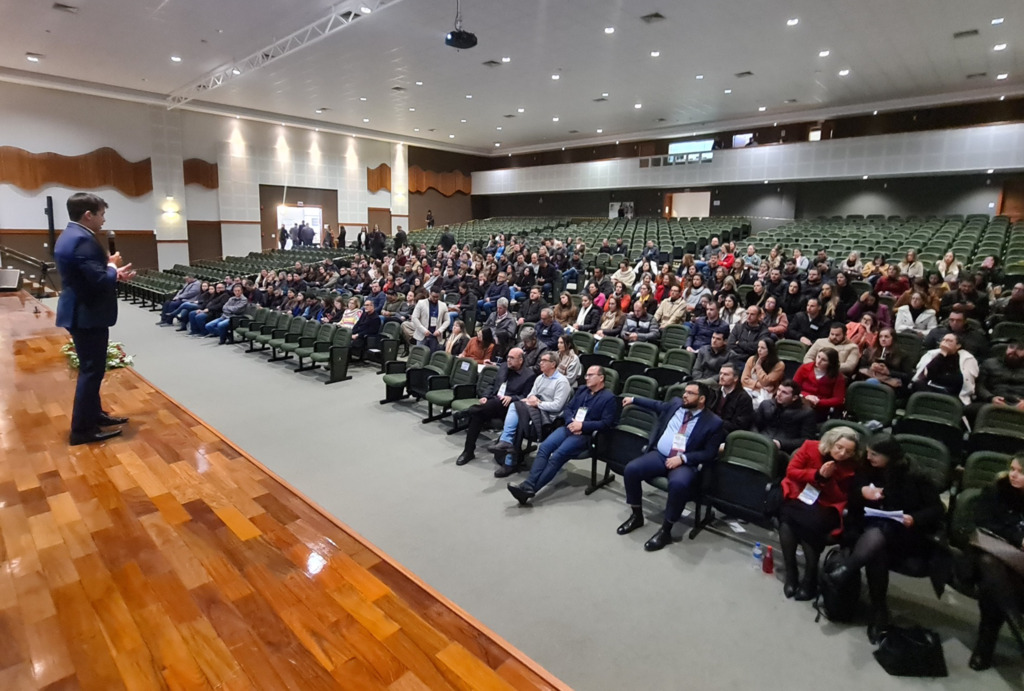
(499, 446)
(91, 437)
(662, 538)
(464, 458)
(523, 492)
(506, 470)
(635, 521)
(109, 420)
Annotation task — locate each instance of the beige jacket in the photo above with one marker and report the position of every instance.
(849, 354)
(669, 312)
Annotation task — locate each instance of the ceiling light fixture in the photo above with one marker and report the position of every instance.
(415, 129)
(412, 110)
(824, 53)
(497, 145)
(604, 94)
(451, 136)
(999, 46)
(844, 73)
(469, 95)
(875, 113)
(554, 119)
(462, 120)
(1002, 98)
(419, 83)
(997, 21)
(366, 119)
(655, 53)
(1002, 76)
(700, 76)
(864, 178)
(792, 22)
(638, 106)
(175, 58)
(319, 111)
(520, 110)
(556, 77)
(33, 57)
(990, 171)
(362, 98)
(506, 59)
(611, 30)
(761, 109)
(727, 91)
(600, 131)
(498, 128)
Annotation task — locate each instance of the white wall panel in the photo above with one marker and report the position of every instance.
(239, 239)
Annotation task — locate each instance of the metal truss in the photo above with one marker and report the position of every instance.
(341, 16)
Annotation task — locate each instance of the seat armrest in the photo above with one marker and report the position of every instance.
(279, 333)
(395, 367)
(465, 391)
(439, 381)
(306, 341)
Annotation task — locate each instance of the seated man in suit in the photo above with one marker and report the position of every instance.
(733, 404)
(368, 325)
(591, 410)
(687, 436)
(512, 384)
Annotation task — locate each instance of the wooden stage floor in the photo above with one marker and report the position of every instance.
(168, 558)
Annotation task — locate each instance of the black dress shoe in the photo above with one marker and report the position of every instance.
(91, 437)
(979, 662)
(808, 590)
(789, 589)
(506, 470)
(109, 420)
(662, 538)
(499, 446)
(634, 521)
(523, 492)
(464, 458)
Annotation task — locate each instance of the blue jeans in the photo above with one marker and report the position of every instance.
(560, 446)
(508, 432)
(185, 309)
(219, 327)
(484, 308)
(197, 322)
(170, 308)
(652, 465)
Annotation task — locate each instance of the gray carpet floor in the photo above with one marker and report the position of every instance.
(554, 579)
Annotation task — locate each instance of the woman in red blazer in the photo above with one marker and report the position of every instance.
(815, 492)
(821, 382)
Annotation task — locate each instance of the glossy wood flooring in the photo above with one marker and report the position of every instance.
(167, 558)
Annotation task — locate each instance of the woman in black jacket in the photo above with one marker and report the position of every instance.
(1000, 510)
(887, 482)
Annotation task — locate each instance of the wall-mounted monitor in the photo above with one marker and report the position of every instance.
(693, 146)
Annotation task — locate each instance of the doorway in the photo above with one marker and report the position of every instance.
(379, 217)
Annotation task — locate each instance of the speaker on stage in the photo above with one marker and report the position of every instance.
(10, 279)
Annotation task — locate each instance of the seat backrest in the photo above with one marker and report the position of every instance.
(911, 345)
(611, 346)
(930, 456)
(1008, 331)
(753, 450)
(863, 432)
(441, 362)
(637, 420)
(342, 337)
(418, 356)
(639, 385)
(297, 325)
(611, 379)
(935, 406)
(866, 402)
(982, 468)
(674, 391)
(280, 320)
(261, 316)
(485, 379)
(1000, 418)
(311, 328)
(679, 358)
(583, 341)
(390, 331)
(646, 353)
(326, 333)
(788, 349)
(674, 336)
(464, 371)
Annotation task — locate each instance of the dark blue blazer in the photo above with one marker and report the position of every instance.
(88, 299)
(602, 409)
(705, 438)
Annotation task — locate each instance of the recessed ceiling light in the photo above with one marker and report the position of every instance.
(362, 98)
(506, 59)
(824, 53)
(600, 131)
(236, 71)
(700, 76)
(498, 128)
(365, 10)
(520, 110)
(1002, 98)
(175, 58)
(554, 119)
(875, 113)
(451, 136)
(766, 182)
(655, 53)
(563, 148)
(412, 110)
(997, 20)
(469, 95)
(864, 178)
(844, 73)
(366, 119)
(604, 94)
(727, 91)
(775, 124)
(1004, 75)
(999, 46)
(990, 171)
(419, 83)
(462, 120)
(497, 145)
(616, 142)
(611, 29)
(33, 57)
(415, 129)
(319, 111)
(792, 22)
(556, 77)
(316, 129)
(638, 106)
(761, 109)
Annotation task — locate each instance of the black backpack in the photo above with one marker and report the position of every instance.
(837, 603)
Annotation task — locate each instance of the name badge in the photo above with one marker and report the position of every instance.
(814, 327)
(581, 415)
(501, 390)
(433, 322)
(679, 443)
(809, 495)
(465, 366)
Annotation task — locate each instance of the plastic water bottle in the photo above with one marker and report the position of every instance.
(758, 554)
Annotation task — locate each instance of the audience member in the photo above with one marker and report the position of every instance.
(948, 369)
(785, 419)
(763, 371)
(848, 352)
(513, 383)
(916, 316)
(822, 383)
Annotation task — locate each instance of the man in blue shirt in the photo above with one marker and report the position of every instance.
(591, 410)
(687, 437)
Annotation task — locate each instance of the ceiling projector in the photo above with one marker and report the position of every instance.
(460, 39)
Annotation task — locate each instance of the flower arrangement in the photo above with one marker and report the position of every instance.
(116, 356)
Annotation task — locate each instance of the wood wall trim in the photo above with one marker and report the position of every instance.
(199, 172)
(378, 178)
(97, 169)
(170, 242)
(446, 183)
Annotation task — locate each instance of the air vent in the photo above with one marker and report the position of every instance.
(965, 34)
(510, 115)
(398, 88)
(492, 63)
(660, 120)
(61, 7)
(653, 17)
(790, 100)
(574, 131)
(977, 75)
(743, 75)
(432, 129)
(600, 100)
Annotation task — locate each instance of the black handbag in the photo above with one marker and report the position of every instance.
(913, 652)
(773, 500)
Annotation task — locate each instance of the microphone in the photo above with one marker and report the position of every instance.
(111, 245)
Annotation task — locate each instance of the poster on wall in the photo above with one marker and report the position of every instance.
(620, 210)
(293, 217)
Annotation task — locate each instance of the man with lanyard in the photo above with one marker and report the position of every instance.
(592, 409)
(687, 437)
(430, 320)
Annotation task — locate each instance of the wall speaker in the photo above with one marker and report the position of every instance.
(10, 279)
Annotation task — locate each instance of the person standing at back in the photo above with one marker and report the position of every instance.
(87, 308)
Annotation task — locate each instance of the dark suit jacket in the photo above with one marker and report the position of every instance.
(706, 437)
(736, 410)
(592, 322)
(89, 297)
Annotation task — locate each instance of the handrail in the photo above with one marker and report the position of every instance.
(44, 267)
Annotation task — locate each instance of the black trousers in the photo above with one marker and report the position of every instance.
(91, 346)
(480, 414)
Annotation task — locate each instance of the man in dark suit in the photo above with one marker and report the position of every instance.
(513, 383)
(687, 437)
(87, 308)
